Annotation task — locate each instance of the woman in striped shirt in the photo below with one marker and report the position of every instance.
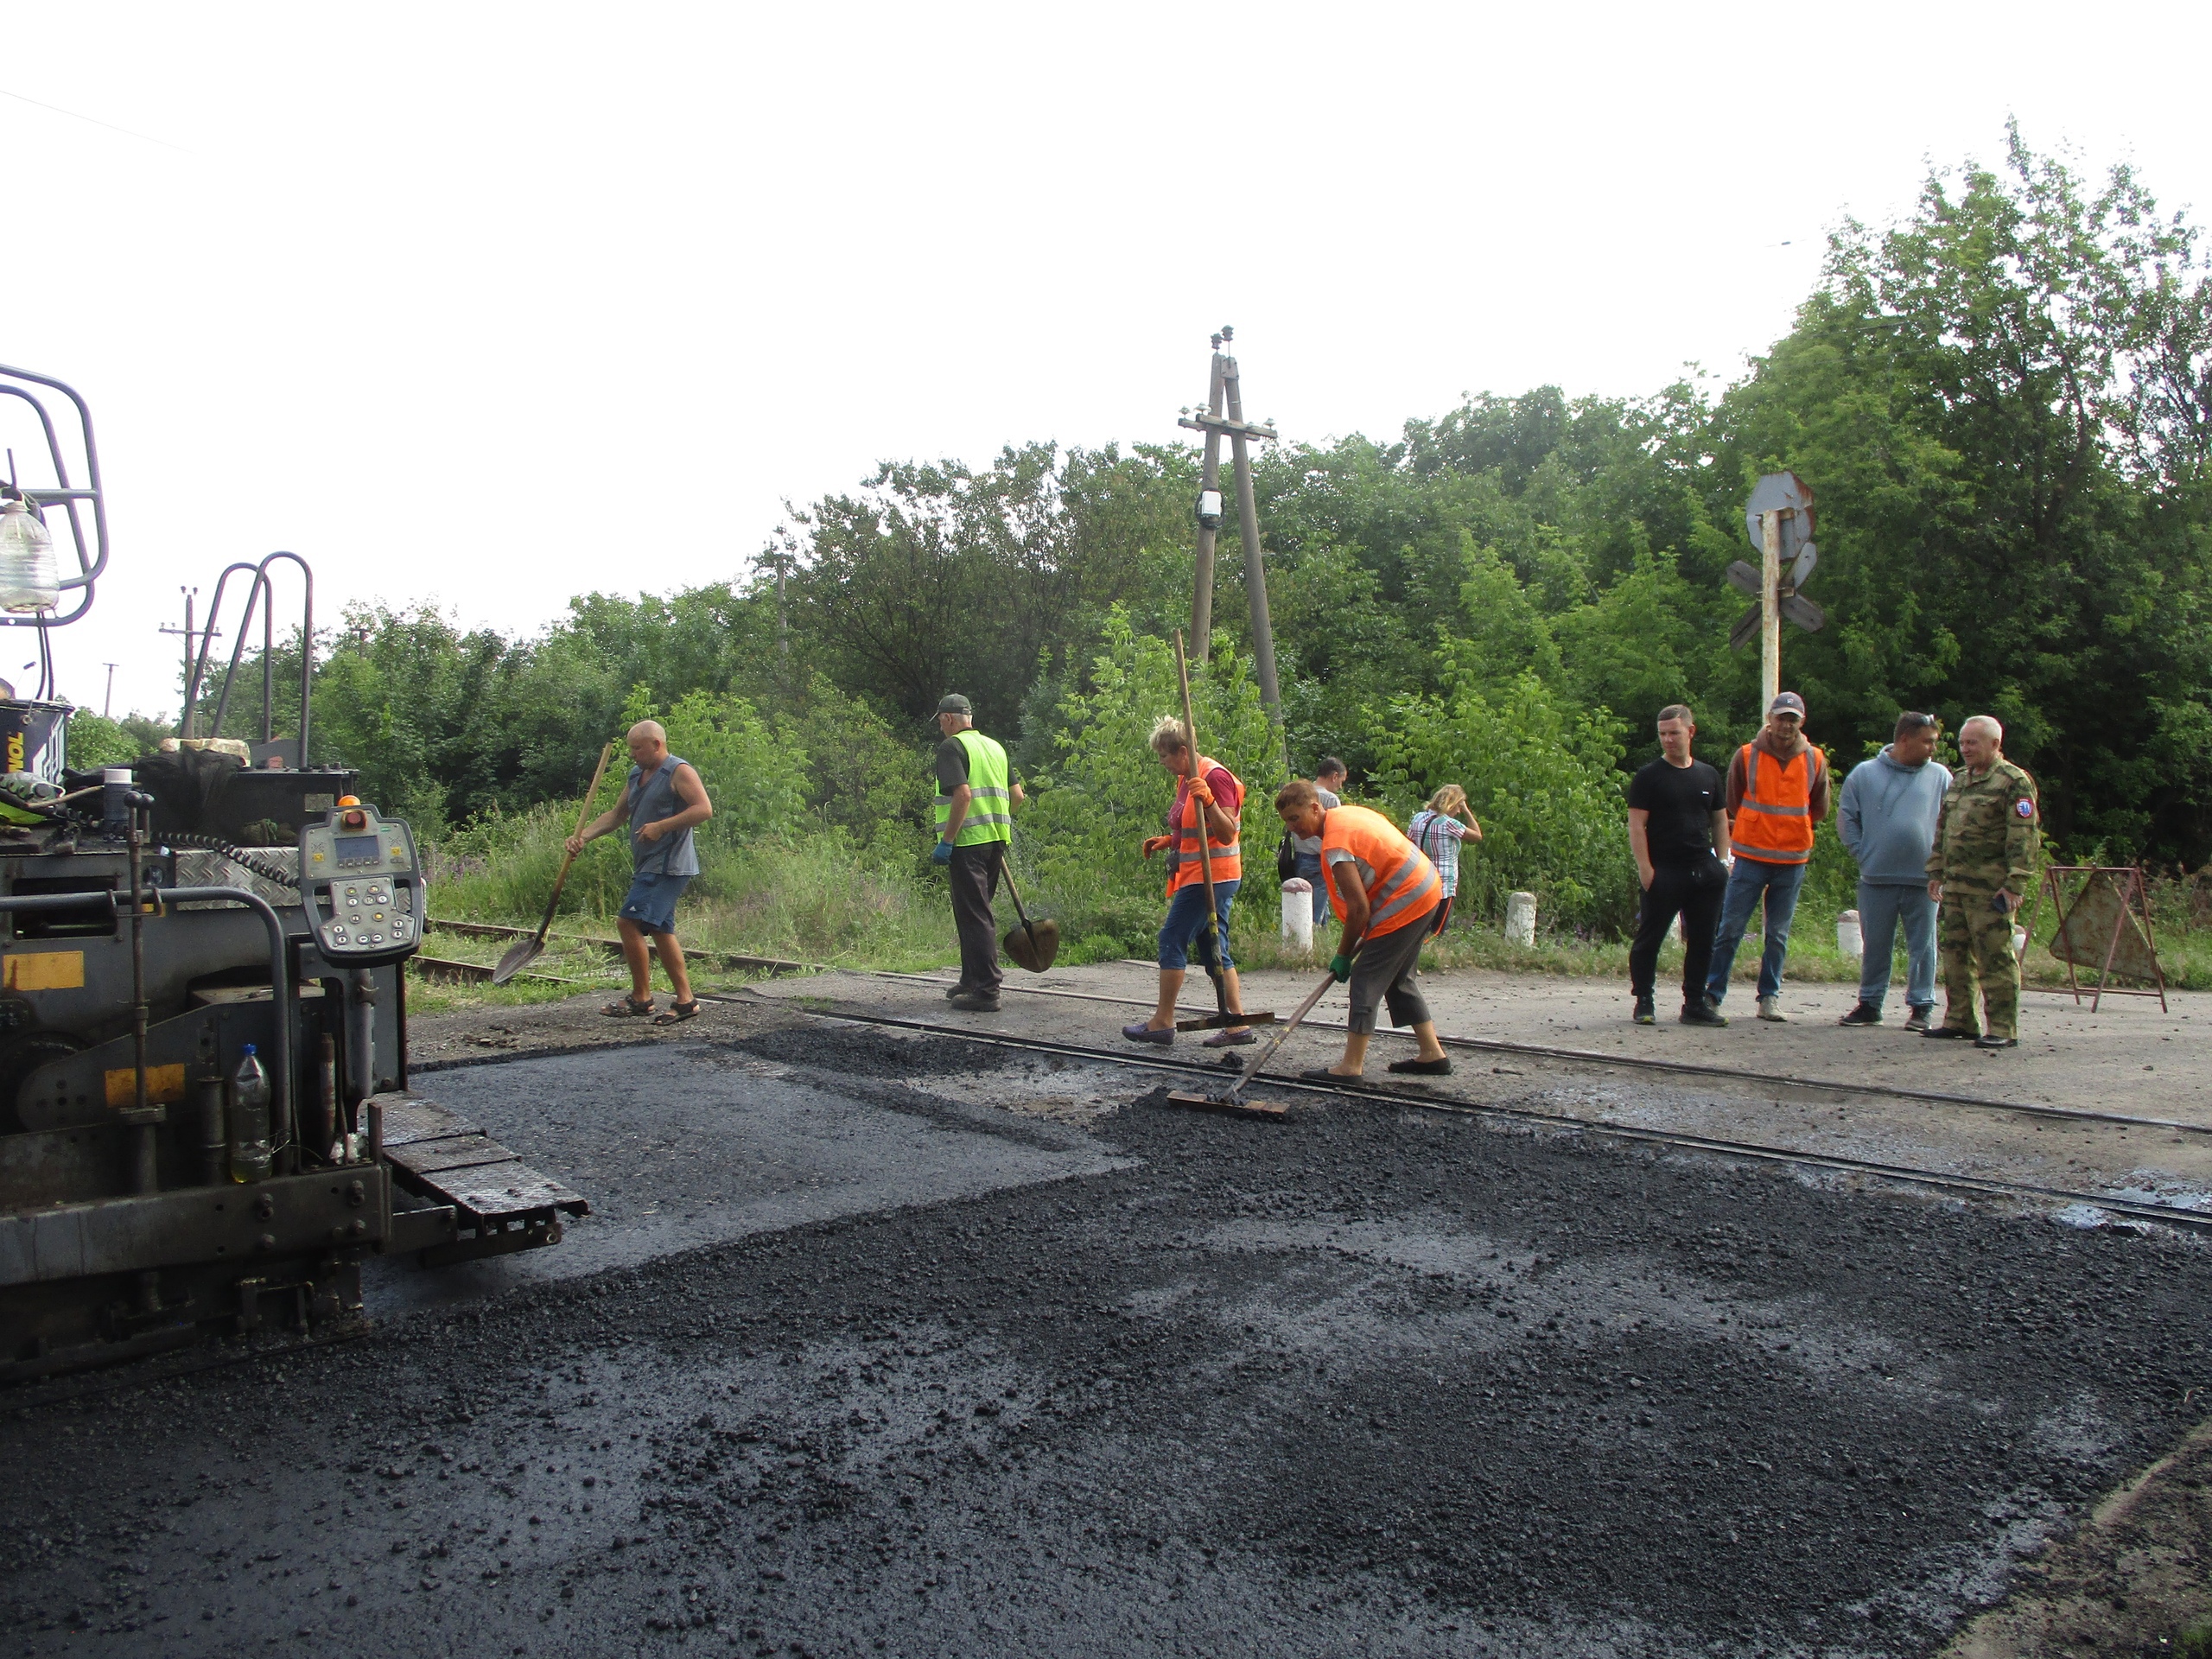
(1437, 828)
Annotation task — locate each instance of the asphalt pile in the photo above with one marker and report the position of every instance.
(1371, 1380)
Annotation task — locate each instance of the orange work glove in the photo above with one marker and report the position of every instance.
(1157, 843)
(1201, 793)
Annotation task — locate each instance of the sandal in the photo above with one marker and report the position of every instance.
(628, 1008)
(679, 1013)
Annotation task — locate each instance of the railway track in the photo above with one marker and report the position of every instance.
(1901, 1174)
(1645, 1063)
(718, 959)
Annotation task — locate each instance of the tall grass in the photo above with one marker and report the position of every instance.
(815, 897)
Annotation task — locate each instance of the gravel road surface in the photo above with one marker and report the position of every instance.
(933, 1376)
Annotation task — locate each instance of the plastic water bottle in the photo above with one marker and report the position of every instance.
(250, 1153)
(28, 581)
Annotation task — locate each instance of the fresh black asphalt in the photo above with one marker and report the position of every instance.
(1369, 1381)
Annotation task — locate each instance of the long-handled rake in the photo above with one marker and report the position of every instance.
(1221, 1017)
(1230, 1098)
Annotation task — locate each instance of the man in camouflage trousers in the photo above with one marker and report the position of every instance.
(1980, 871)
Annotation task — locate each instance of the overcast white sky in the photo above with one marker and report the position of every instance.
(489, 306)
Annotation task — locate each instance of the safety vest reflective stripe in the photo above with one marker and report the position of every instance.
(1406, 885)
(1226, 857)
(990, 800)
(1780, 794)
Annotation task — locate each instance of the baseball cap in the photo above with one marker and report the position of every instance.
(954, 703)
(1788, 703)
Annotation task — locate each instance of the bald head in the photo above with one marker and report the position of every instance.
(648, 743)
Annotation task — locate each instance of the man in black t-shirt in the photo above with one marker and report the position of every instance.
(1678, 830)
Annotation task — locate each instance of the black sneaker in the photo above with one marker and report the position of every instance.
(1862, 1015)
(1917, 1020)
(1702, 1012)
(1949, 1030)
(1988, 1040)
(1645, 1014)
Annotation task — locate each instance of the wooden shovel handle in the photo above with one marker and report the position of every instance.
(583, 817)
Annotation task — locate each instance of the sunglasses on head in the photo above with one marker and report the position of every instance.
(1916, 723)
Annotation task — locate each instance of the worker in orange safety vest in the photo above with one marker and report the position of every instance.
(1778, 791)
(1385, 893)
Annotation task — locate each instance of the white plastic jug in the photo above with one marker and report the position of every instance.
(1848, 938)
(1297, 912)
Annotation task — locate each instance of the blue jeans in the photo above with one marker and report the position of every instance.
(1309, 866)
(1751, 879)
(1880, 910)
(1186, 926)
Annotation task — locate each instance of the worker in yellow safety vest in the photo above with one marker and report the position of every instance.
(975, 799)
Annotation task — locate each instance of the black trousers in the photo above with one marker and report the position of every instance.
(975, 872)
(1694, 891)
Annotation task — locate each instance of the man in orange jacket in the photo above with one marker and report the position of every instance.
(1778, 790)
(1385, 892)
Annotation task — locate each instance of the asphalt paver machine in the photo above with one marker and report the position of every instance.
(156, 920)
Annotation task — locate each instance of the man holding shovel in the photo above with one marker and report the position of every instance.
(663, 799)
(975, 799)
(1384, 891)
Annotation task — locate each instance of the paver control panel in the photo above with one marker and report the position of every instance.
(362, 886)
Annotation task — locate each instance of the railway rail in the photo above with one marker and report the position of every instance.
(1902, 1174)
(1647, 1063)
(719, 959)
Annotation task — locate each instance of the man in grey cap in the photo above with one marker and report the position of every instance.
(975, 799)
(1778, 790)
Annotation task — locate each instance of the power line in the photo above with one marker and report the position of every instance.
(95, 121)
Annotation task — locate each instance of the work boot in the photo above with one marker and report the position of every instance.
(1990, 1039)
(1863, 1013)
(1950, 1031)
(1771, 1008)
(977, 1002)
(1703, 1011)
(951, 991)
(1645, 1014)
(1916, 1020)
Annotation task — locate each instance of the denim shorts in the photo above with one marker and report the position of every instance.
(651, 902)
(1186, 916)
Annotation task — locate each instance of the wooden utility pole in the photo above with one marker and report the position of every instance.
(1208, 514)
(1227, 384)
(184, 719)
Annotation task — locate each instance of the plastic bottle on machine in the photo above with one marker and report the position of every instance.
(251, 1157)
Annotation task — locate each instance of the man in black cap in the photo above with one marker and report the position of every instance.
(975, 799)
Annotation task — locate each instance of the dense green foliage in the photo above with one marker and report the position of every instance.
(2004, 403)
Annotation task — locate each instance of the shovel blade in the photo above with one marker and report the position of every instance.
(519, 956)
(1033, 945)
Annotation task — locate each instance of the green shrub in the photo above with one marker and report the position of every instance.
(1105, 790)
(1544, 784)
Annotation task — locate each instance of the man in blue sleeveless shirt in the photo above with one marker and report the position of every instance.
(662, 799)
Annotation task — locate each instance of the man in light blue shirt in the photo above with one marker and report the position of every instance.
(1887, 818)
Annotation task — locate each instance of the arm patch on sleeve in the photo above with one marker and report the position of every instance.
(2025, 807)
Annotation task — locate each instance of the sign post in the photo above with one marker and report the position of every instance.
(1779, 520)
(1770, 610)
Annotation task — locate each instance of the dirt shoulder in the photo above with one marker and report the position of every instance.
(464, 1035)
